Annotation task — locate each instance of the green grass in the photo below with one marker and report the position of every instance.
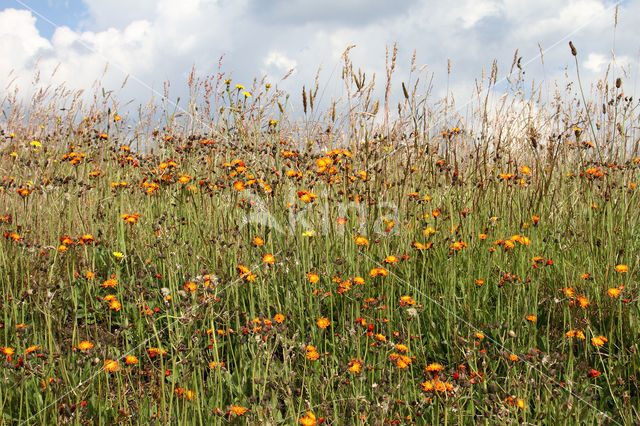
(576, 221)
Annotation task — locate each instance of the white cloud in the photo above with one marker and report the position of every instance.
(595, 62)
(159, 40)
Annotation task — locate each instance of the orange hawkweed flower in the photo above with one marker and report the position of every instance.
(355, 366)
(130, 218)
(362, 241)
(130, 359)
(594, 373)
(279, 318)
(613, 292)
(313, 277)
(378, 271)
(308, 420)
(269, 258)
(323, 322)
(307, 196)
(531, 318)
(31, 349)
(110, 283)
(434, 367)
(238, 410)
(110, 365)
(621, 268)
(258, 241)
(184, 179)
(390, 259)
(85, 345)
(402, 348)
(238, 185)
(599, 341)
(584, 302)
(312, 354)
(575, 333)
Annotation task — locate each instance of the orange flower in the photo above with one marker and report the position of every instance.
(7, 351)
(594, 373)
(312, 354)
(269, 258)
(278, 318)
(584, 302)
(390, 259)
(362, 241)
(109, 283)
(308, 420)
(575, 333)
(313, 277)
(355, 366)
(613, 292)
(31, 349)
(378, 271)
(434, 367)
(115, 305)
(513, 357)
(184, 179)
(599, 341)
(130, 359)
(323, 322)
(307, 196)
(238, 410)
(531, 318)
(110, 365)
(258, 241)
(190, 286)
(622, 268)
(427, 386)
(403, 362)
(85, 345)
(238, 185)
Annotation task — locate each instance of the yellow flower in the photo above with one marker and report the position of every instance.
(36, 144)
(246, 94)
(118, 255)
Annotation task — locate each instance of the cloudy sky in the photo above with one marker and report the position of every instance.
(158, 40)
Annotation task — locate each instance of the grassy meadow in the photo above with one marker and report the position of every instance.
(355, 262)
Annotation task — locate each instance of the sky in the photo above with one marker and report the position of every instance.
(153, 41)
